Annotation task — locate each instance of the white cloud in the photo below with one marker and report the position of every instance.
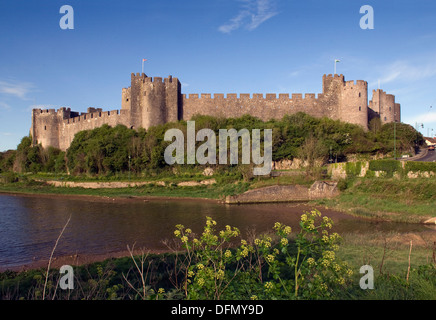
(252, 14)
(425, 117)
(294, 73)
(16, 89)
(409, 71)
(4, 105)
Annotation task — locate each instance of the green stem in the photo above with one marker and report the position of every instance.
(296, 272)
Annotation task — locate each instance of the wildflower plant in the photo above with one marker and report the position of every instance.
(309, 269)
(269, 267)
(207, 276)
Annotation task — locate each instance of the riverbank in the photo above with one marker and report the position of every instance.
(77, 260)
(359, 235)
(103, 277)
(138, 192)
(389, 199)
(355, 247)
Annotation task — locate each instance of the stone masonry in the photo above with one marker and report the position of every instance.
(153, 101)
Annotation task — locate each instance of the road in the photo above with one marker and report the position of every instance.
(430, 157)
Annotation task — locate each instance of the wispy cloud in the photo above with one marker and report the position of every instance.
(251, 15)
(4, 105)
(294, 73)
(426, 117)
(409, 71)
(16, 88)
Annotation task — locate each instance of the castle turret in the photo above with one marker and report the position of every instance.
(345, 100)
(383, 105)
(354, 103)
(331, 92)
(152, 101)
(45, 126)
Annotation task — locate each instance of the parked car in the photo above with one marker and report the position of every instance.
(431, 148)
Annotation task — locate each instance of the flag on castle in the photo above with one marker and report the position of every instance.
(336, 60)
(143, 60)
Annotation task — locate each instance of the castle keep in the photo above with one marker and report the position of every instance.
(152, 101)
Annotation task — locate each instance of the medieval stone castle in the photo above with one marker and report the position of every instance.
(151, 101)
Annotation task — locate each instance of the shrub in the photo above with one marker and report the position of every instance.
(420, 166)
(9, 177)
(353, 169)
(270, 267)
(388, 166)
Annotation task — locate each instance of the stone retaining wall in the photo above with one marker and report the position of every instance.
(291, 193)
(116, 184)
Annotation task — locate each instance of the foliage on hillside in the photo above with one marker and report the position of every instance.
(28, 158)
(108, 150)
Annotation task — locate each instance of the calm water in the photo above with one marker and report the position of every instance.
(30, 225)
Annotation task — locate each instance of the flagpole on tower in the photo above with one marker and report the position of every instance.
(336, 60)
(143, 60)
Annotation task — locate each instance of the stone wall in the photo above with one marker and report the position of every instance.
(342, 170)
(153, 101)
(290, 193)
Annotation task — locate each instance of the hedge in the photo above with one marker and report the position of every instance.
(388, 166)
(353, 168)
(420, 166)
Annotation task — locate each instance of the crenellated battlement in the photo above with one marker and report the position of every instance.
(94, 116)
(42, 111)
(357, 83)
(339, 77)
(248, 96)
(297, 96)
(142, 77)
(378, 91)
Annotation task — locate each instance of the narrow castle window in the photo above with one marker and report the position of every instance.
(360, 108)
(390, 109)
(359, 94)
(45, 127)
(385, 119)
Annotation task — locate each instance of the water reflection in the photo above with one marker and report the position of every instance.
(30, 225)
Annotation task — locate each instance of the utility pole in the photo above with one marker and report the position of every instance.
(395, 137)
(129, 167)
(417, 125)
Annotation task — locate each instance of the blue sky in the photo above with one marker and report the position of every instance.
(213, 46)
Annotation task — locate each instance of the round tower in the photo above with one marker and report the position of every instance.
(45, 127)
(153, 102)
(354, 103)
(387, 110)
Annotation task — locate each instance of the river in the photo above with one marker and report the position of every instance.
(30, 225)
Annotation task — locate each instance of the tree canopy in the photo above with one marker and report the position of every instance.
(119, 149)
